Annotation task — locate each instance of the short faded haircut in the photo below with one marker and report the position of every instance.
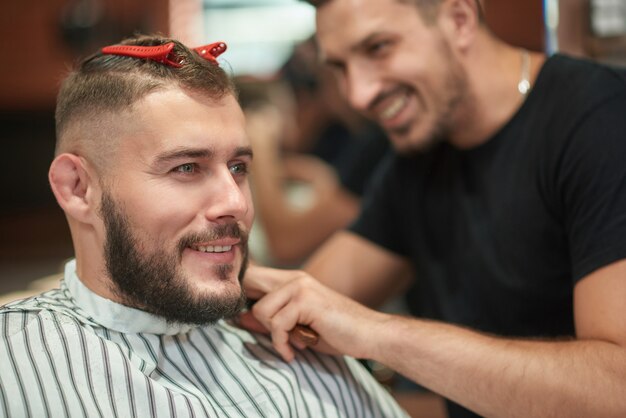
(104, 85)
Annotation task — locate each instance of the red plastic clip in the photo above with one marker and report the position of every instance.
(159, 53)
(211, 51)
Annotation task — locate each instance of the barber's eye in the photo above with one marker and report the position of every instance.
(378, 47)
(186, 168)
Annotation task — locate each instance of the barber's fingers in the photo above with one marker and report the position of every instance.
(255, 282)
(281, 310)
(287, 320)
(247, 321)
(261, 280)
(281, 323)
(299, 291)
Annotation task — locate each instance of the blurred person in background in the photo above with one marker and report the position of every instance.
(505, 199)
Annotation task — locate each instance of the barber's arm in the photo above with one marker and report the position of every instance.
(493, 376)
(360, 269)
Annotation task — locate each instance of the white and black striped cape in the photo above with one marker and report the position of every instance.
(69, 352)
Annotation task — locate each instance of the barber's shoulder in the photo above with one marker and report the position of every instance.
(591, 76)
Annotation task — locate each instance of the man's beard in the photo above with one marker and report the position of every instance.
(154, 283)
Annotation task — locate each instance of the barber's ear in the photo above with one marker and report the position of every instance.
(460, 21)
(73, 186)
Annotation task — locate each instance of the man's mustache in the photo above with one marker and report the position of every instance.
(229, 230)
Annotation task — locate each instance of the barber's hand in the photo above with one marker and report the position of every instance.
(294, 297)
(257, 282)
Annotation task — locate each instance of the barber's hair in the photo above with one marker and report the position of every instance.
(428, 9)
(107, 84)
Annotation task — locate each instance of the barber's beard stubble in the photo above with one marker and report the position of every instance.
(153, 282)
(454, 94)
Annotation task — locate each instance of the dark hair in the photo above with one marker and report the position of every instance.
(110, 83)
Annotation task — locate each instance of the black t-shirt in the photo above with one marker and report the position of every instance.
(500, 234)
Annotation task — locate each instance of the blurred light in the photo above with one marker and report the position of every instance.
(608, 17)
(551, 22)
(260, 34)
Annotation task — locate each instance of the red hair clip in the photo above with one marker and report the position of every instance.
(158, 53)
(211, 51)
(163, 53)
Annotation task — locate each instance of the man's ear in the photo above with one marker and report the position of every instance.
(460, 20)
(73, 186)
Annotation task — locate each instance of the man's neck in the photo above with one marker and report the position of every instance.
(494, 70)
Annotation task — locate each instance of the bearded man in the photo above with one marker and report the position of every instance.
(151, 170)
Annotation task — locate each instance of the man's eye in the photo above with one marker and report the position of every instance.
(378, 48)
(186, 168)
(239, 168)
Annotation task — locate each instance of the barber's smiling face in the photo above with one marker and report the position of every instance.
(393, 67)
(177, 206)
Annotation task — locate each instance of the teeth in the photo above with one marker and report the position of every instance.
(393, 108)
(214, 248)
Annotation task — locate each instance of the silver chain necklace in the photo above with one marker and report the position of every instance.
(524, 83)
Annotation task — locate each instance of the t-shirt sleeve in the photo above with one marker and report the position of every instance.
(593, 192)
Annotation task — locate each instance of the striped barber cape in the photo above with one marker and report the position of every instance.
(69, 352)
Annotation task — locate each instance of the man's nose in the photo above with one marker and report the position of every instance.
(228, 199)
(362, 85)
